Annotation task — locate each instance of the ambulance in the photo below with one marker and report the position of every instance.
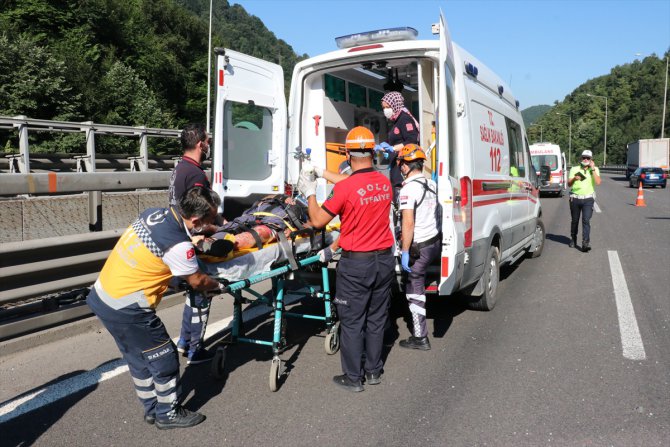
(470, 124)
(550, 157)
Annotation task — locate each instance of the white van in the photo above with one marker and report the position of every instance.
(550, 157)
(480, 161)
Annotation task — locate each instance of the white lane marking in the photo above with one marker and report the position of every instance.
(596, 207)
(44, 396)
(631, 341)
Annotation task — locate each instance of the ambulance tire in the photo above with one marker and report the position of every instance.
(540, 234)
(490, 279)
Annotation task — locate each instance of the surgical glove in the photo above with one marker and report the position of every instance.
(318, 171)
(386, 147)
(404, 261)
(307, 184)
(326, 255)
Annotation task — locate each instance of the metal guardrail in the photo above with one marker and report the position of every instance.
(615, 169)
(39, 267)
(58, 183)
(20, 163)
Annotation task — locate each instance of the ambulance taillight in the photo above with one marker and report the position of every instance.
(466, 209)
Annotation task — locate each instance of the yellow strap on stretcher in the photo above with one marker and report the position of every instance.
(266, 214)
(244, 251)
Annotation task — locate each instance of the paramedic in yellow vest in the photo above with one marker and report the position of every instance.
(156, 247)
(582, 181)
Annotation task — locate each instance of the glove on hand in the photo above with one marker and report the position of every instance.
(386, 147)
(326, 254)
(307, 184)
(318, 171)
(404, 261)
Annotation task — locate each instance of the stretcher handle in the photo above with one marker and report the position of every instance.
(239, 285)
(311, 232)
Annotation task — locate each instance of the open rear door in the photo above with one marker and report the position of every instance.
(454, 215)
(249, 127)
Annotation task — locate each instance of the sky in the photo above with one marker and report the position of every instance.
(543, 48)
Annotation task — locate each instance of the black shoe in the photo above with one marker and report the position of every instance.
(219, 248)
(412, 342)
(586, 246)
(180, 417)
(373, 378)
(346, 383)
(573, 242)
(150, 419)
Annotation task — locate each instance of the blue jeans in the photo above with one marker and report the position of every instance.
(585, 208)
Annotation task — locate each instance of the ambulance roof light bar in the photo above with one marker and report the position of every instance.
(377, 36)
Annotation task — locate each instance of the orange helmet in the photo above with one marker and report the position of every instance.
(411, 152)
(359, 139)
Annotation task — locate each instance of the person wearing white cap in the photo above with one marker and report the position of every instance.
(582, 181)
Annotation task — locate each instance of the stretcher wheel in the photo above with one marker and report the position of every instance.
(275, 372)
(218, 362)
(332, 341)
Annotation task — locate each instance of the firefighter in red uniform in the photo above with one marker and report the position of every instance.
(367, 265)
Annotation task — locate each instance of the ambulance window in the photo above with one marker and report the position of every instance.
(517, 167)
(335, 88)
(247, 140)
(375, 100)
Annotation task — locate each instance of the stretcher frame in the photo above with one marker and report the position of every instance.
(279, 276)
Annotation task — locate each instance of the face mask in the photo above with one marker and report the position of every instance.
(586, 162)
(388, 113)
(204, 155)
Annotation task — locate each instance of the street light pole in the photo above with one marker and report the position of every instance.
(209, 65)
(665, 95)
(540, 125)
(569, 137)
(605, 144)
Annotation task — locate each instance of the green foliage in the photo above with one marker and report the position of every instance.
(634, 111)
(532, 114)
(130, 62)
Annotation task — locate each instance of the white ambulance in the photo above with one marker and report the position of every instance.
(480, 158)
(548, 156)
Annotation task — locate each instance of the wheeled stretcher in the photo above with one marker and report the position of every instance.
(277, 262)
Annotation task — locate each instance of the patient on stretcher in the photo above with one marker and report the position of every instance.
(260, 224)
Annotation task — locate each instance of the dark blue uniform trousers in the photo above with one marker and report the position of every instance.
(363, 291)
(585, 208)
(194, 320)
(150, 353)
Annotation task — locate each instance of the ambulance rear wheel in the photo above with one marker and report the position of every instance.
(490, 279)
(275, 373)
(538, 239)
(219, 362)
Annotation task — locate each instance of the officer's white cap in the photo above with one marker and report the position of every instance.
(587, 153)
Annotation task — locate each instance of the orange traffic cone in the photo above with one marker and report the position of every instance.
(640, 196)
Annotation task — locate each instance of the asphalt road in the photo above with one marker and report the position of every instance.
(577, 352)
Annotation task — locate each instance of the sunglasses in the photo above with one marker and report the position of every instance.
(586, 158)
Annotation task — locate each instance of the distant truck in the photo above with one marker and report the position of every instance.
(648, 153)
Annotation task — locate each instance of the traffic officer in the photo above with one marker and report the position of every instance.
(156, 247)
(189, 173)
(421, 238)
(582, 181)
(366, 268)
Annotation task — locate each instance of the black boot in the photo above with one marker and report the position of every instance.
(180, 417)
(586, 247)
(412, 342)
(573, 242)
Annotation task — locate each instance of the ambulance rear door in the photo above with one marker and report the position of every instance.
(448, 187)
(249, 127)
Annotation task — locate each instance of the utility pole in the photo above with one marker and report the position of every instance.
(209, 66)
(665, 95)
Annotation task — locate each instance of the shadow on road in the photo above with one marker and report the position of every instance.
(35, 418)
(560, 238)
